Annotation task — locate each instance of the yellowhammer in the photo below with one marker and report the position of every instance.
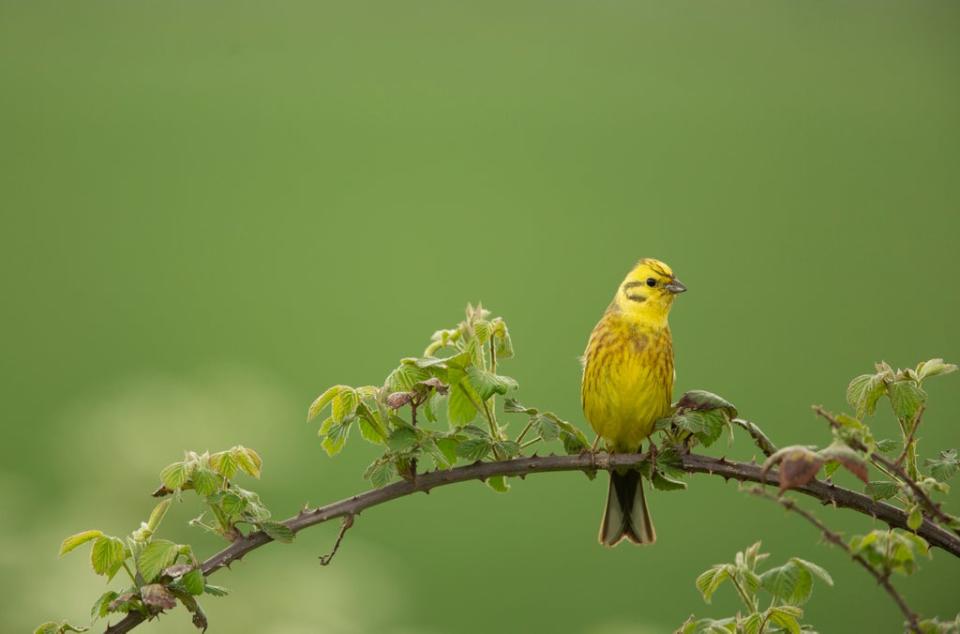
(627, 385)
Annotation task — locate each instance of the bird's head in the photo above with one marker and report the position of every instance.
(648, 291)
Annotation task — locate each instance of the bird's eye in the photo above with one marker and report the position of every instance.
(651, 282)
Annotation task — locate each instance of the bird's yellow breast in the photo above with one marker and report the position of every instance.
(627, 379)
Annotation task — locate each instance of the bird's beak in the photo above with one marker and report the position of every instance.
(676, 287)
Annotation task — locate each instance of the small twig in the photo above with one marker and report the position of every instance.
(524, 431)
(759, 438)
(908, 442)
(932, 507)
(345, 525)
(837, 540)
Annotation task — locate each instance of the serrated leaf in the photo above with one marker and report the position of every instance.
(702, 400)
(512, 406)
(934, 367)
(887, 446)
(405, 377)
(206, 482)
(107, 554)
(224, 463)
(248, 460)
(158, 596)
(882, 489)
(710, 580)
(460, 405)
(508, 448)
(863, 392)
(498, 484)
(101, 607)
(474, 449)
(945, 466)
(156, 556)
(277, 531)
(706, 425)
(402, 439)
(174, 476)
(344, 404)
(58, 627)
(915, 518)
(666, 483)
(906, 398)
(791, 583)
(335, 437)
(78, 539)
(215, 591)
(193, 582)
(785, 618)
(816, 570)
(548, 429)
(487, 383)
(323, 400)
(380, 472)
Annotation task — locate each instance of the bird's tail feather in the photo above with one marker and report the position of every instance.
(626, 515)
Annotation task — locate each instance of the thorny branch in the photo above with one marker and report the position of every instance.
(827, 493)
(837, 540)
(932, 508)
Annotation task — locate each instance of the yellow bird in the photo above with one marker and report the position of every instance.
(627, 385)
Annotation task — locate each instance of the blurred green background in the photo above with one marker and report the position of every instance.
(212, 211)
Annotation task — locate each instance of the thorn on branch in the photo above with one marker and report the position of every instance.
(344, 527)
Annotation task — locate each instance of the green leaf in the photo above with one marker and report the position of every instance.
(323, 400)
(701, 400)
(101, 607)
(887, 446)
(906, 398)
(498, 484)
(157, 515)
(335, 436)
(206, 482)
(882, 489)
(512, 406)
(156, 556)
(402, 439)
(344, 404)
(666, 483)
(487, 383)
(248, 460)
(224, 463)
(215, 591)
(58, 627)
(460, 405)
(786, 617)
(231, 503)
(934, 367)
(915, 518)
(863, 392)
(380, 472)
(405, 377)
(78, 539)
(193, 582)
(175, 475)
(509, 448)
(548, 429)
(277, 531)
(816, 570)
(706, 425)
(474, 449)
(945, 466)
(790, 583)
(107, 555)
(709, 581)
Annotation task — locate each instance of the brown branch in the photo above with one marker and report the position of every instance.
(759, 438)
(586, 462)
(932, 508)
(837, 540)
